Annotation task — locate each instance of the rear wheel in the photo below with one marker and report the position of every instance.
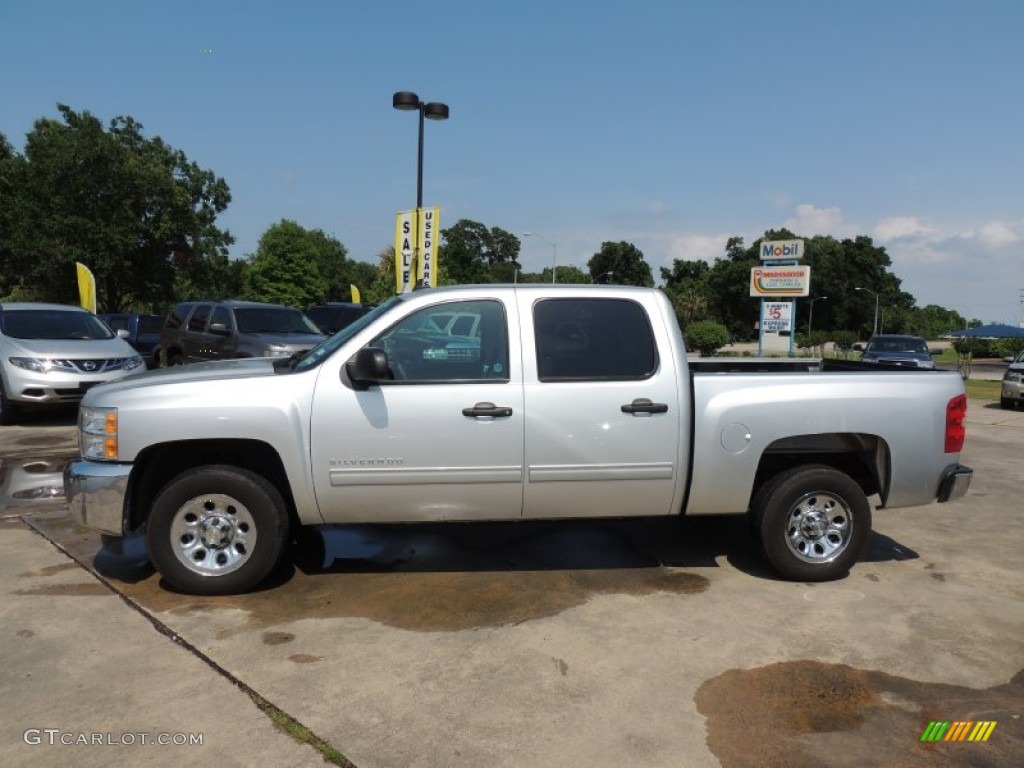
(813, 522)
(217, 530)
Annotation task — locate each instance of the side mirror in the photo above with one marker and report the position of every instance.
(858, 347)
(219, 329)
(122, 333)
(368, 366)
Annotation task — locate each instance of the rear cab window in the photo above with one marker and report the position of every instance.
(593, 340)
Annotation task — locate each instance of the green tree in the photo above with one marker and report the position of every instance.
(706, 336)
(132, 209)
(624, 261)
(285, 267)
(472, 253)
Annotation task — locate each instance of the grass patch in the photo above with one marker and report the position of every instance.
(301, 733)
(981, 389)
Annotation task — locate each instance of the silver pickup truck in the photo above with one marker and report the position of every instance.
(554, 402)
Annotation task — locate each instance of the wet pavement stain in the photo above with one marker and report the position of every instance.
(277, 638)
(50, 570)
(90, 589)
(808, 713)
(26, 633)
(450, 587)
(304, 658)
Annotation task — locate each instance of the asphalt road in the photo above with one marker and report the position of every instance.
(664, 643)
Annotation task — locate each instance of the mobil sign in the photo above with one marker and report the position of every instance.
(792, 280)
(782, 249)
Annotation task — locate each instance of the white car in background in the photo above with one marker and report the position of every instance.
(52, 354)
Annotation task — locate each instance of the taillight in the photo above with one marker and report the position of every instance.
(956, 412)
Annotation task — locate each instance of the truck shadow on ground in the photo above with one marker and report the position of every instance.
(449, 577)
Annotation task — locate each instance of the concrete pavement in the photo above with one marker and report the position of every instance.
(556, 645)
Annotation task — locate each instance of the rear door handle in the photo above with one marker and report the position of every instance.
(643, 405)
(487, 409)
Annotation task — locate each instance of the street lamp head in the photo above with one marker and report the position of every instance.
(435, 110)
(407, 101)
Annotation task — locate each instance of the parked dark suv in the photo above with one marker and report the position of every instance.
(219, 330)
(333, 316)
(143, 332)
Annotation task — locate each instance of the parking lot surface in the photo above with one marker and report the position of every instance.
(653, 643)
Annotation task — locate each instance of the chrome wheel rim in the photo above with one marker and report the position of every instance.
(818, 527)
(213, 534)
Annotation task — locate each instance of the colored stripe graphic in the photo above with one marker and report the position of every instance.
(982, 730)
(958, 730)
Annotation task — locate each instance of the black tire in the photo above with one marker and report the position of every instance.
(175, 358)
(1007, 404)
(8, 410)
(217, 530)
(813, 522)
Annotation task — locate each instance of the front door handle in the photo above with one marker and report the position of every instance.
(487, 409)
(643, 405)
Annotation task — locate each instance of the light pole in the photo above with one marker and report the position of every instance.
(407, 101)
(810, 319)
(554, 252)
(875, 327)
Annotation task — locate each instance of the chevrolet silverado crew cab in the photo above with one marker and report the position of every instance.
(554, 402)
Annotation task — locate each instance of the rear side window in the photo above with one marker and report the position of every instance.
(177, 318)
(117, 322)
(593, 339)
(197, 322)
(150, 323)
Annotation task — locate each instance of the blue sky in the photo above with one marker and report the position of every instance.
(671, 125)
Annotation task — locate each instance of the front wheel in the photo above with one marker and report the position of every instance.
(8, 410)
(217, 530)
(813, 522)
(1007, 403)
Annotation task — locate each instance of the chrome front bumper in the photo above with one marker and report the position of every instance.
(96, 493)
(956, 479)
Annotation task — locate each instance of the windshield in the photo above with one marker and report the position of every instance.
(327, 348)
(898, 345)
(273, 320)
(52, 324)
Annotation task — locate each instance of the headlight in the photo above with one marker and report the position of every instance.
(126, 363)
(275, 350)
(41, 365)
(97, 432)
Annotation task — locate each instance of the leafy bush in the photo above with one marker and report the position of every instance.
(843, 342)
(707, 337)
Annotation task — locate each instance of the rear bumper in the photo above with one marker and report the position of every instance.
(96, 493)
(956, 479)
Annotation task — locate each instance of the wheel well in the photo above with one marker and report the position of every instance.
(159, 464)
(865, 458)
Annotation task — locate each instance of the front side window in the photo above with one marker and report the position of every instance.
(593, 339)
(422, 348)
(223, 316)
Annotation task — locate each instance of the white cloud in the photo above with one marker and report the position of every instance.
(997, 233)
(810, 221)
(896, 227)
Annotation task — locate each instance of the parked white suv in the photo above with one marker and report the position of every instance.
(52, 353)
(1012, 394)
